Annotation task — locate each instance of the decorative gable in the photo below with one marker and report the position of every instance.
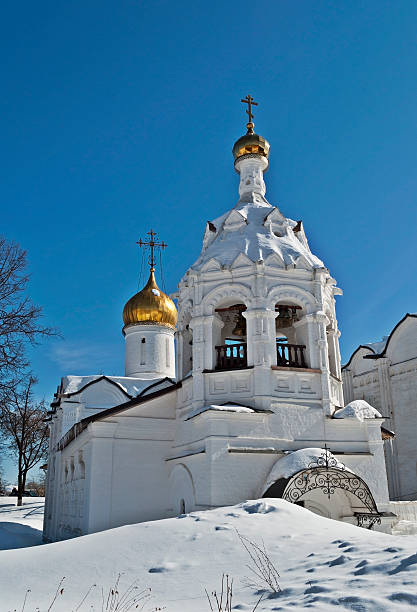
(210, 265)
(275, 260)
(303, 263)
(241, 261)
(276, 222)
(234, 221)
(102, 393)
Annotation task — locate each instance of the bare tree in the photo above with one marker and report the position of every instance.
(19, 317)
(23, 427)
(2, 481)
(37, 485)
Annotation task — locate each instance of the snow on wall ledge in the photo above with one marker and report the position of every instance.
(358, 409)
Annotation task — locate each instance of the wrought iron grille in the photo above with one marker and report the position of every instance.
(368, 519)
(328, 479)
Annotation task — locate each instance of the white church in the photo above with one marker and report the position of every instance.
(233, 394)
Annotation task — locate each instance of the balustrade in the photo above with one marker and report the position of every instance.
(231, 356)
(234, 356)
(291, 355)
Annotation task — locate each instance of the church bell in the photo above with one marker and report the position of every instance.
(240, 327)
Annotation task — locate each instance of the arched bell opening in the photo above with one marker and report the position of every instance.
(330, 492)
(184, 345)
(290, 337)
(187, 348)
(231, 337)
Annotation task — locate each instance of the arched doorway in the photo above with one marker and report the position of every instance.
(331, 492)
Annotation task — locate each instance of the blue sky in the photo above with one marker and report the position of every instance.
(120, 116)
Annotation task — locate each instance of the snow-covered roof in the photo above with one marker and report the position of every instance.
(256, 230)
(358, 409)
(297, 461)
(377, 347)
(131, 386)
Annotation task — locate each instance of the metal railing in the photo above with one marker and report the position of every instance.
(231, 356)
(234, 356)
(291, 355)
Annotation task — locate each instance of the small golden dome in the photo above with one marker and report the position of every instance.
(150, 307)
(251, 143)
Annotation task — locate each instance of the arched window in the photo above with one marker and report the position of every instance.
(290, 348)
(187, 348)
(231, 344)
(81, 465)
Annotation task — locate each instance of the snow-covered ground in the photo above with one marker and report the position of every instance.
(323, 564)
(21, 526)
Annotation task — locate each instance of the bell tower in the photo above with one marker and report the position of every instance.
(257, 322)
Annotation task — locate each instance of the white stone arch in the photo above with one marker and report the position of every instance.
(299, 296)
(233, 292)
(102, 394)
(184, 313)
(181, 489)
(184, 336)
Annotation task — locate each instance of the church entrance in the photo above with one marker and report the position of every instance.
(330, 492)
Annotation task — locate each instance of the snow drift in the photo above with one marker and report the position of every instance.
(323, 564)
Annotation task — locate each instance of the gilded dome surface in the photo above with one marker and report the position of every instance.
(251, 143)
(150, 306)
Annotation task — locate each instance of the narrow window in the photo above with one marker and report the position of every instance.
(81, 465)
(182, 507)
(143, 352)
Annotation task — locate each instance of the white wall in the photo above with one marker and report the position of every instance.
(390, 385)
(150, 351)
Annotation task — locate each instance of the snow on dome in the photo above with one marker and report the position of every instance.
(297, 461)
(257, 230)
(358, 409)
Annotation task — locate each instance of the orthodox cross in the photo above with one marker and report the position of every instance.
(250, 102)
(152, 246)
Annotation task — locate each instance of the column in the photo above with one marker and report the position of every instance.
(260, 335)
(348, 386)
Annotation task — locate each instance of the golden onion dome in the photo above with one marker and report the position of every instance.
(150, 307)
(251, 144)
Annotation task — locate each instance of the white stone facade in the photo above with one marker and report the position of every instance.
(258, 378)
(385, 375)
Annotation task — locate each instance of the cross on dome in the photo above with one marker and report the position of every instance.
(150, 305)
(250, 102)
(152, 246)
